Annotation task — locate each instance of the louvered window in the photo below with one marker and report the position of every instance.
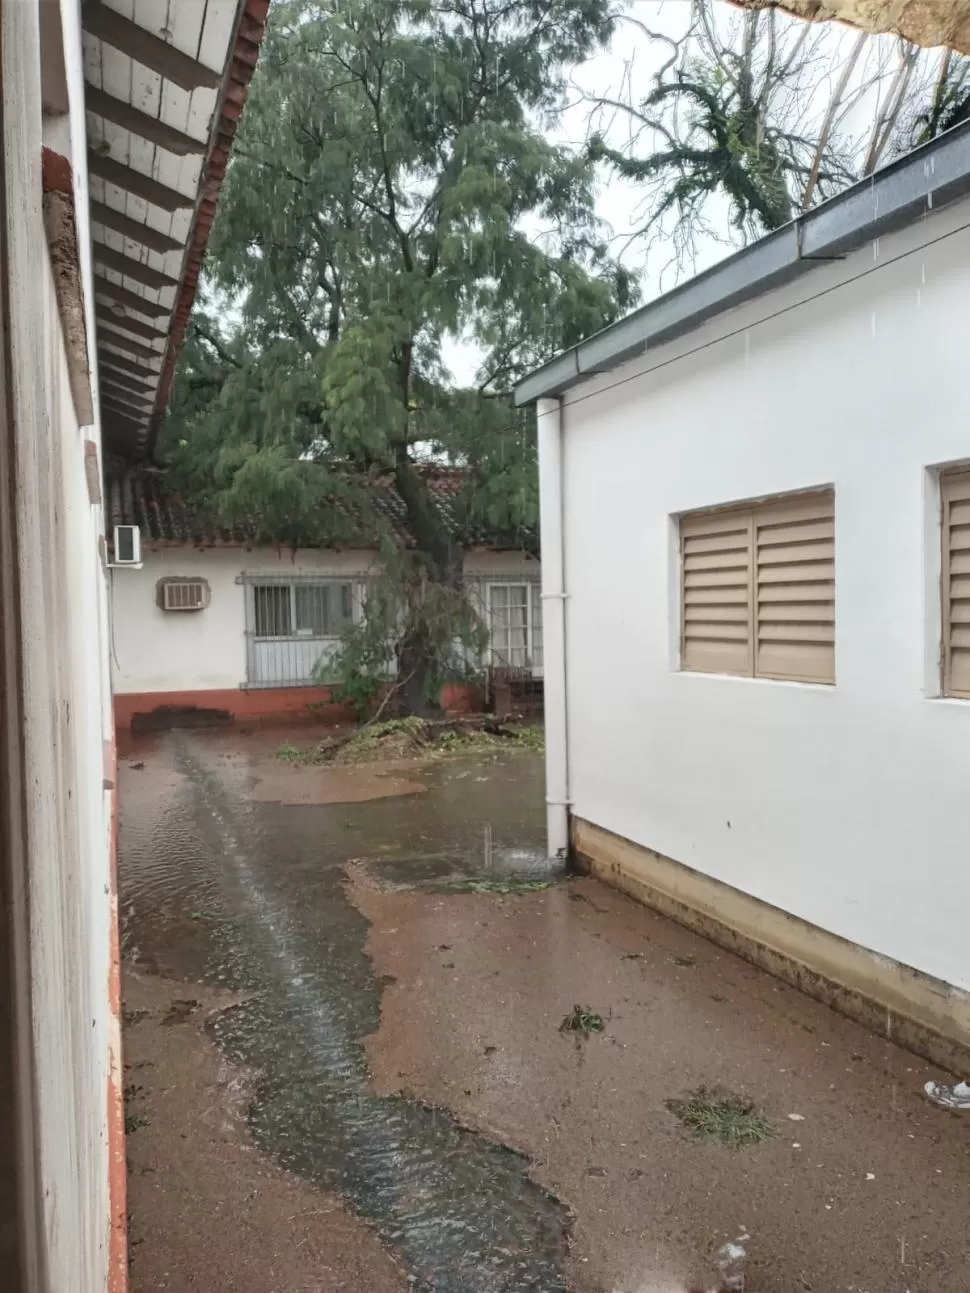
(758, 590)
(956, 583)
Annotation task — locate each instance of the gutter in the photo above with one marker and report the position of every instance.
(550, 438)
(896, 196)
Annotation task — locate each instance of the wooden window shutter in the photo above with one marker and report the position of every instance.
(794, 544)
(716, 592)
(955, 490)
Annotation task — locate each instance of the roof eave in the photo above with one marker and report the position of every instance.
(925, 180)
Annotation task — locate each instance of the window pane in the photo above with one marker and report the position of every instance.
(272, 608)
(311, 609)
(323, 610)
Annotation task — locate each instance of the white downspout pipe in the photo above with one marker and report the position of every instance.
(550, 430)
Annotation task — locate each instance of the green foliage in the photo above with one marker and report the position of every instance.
(582, 1022)
(410, 737)
(402, 603)
(390, 170)
(716, 1115)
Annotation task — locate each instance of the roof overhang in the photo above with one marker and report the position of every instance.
(163, 94)
(922, 181)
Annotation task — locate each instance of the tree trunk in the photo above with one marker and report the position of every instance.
(437, 560)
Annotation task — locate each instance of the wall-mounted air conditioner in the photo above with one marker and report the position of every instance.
(127, 546)
(177, 593)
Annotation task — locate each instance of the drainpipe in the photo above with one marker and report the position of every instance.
(549, 420)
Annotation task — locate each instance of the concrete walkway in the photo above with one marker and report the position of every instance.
(346, 1069)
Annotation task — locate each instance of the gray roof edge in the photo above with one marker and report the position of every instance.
(924, 180)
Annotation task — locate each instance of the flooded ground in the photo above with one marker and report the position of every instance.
(344, 994)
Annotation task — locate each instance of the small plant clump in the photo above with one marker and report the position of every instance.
(582, 1022)
(506, 886)
(415, 738)
(710, 1114)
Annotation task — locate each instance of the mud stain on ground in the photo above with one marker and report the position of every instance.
(864, 1187)
(281, 783)
(207, 1210)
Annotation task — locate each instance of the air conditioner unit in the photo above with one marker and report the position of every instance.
(177, 593)
(127, 546)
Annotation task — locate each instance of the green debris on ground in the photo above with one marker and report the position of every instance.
(416, 738)
(712, 1114)
(504, 886)
(582, 1022)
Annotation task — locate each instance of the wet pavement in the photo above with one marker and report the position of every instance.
(380, 980)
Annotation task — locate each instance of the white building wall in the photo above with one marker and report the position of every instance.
(159, 651)
(845, 805)
(65, 699)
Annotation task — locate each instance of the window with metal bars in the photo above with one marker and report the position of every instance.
(302, 610)
(293, 628)
(758, 589)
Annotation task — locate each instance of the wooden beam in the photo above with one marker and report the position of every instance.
(142, 186)
(135, 269)
(133, 229)
(137, 385)
(146, 48)
(108, 337)
(121, 395)
(126, 388)
(151, 309)
(115, 317)
(120, 411)
(128, 366)
(140, 123)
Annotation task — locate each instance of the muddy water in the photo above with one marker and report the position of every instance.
(227, 890)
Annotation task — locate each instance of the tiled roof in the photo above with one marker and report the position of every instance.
(143, 496)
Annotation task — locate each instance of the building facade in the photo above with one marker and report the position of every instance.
(212, 619)
(756, 521)
(115, 129)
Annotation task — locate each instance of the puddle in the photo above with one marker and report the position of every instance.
(243, 894)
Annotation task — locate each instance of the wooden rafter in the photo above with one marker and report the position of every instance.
(122, 395)
(133, 229)
(151, 309)
(109, 406)
(140, 123)
(108, 337)
(116, 318)
(146, 48)
(138, 385)
(131, 268)
(123, 365)
(142, 186)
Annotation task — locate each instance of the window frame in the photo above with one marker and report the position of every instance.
(947, 480)
(254, 583)
(754, 513)
(530, 586)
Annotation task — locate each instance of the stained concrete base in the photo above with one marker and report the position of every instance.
(927, 1016)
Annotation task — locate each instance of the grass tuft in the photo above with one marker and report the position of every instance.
(505, 886)
(582, 1022)
(711, 1114)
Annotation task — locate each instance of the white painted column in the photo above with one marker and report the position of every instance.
(553, 624)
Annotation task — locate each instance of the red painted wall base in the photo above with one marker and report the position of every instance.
(268, 704)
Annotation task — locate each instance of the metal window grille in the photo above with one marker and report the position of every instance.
(294, 626)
